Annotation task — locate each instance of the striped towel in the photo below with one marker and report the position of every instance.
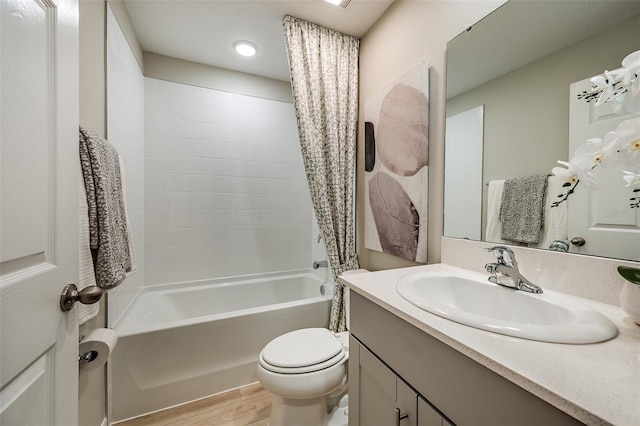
(87, 277)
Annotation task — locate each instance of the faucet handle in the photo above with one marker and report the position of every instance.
(491, 268)
(504, 255)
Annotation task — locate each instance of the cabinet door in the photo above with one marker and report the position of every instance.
(381, 398)
(429, 416)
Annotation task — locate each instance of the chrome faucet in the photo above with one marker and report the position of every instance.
(505, 271)
(321, 264)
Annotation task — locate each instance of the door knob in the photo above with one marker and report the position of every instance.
(578, 241)
(87, 296)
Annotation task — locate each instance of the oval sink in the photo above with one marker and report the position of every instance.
(547, 317)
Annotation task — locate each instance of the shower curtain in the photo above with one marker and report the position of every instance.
(324, 80)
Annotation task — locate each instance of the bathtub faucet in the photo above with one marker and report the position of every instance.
(321, 264)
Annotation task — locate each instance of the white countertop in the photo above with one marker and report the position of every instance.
(595, 383)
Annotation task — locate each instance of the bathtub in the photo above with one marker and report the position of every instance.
(181, 342)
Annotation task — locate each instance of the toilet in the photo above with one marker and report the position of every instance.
(304, 370)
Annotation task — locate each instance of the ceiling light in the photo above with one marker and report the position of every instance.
(245, 48)
(342, 3)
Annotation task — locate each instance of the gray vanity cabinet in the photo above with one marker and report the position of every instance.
(429, 416)
(393, 364)
(383, 398)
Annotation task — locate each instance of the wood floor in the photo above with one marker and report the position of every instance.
(249, 405)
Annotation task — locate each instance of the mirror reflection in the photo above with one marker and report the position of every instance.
(513, 111)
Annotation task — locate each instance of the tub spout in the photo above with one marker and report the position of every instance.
(321, 264)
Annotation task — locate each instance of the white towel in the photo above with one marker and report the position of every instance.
(494, 202)
(87, 276)
(555, 218)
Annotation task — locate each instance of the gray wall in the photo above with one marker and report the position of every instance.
(410, 32)
(195, 74)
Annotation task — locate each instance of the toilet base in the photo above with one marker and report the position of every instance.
(298, 412)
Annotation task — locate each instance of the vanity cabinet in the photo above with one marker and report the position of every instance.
(393, 364)
(383, 398)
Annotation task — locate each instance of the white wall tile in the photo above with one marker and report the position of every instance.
(224, 193)
(132, 103)
(190, 111)
(209, 97)
(190, 129)
(168, 99)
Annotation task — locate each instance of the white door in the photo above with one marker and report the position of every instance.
(38, 211)
(602, 216)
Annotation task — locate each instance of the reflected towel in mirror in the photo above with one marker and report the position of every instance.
(522, 208)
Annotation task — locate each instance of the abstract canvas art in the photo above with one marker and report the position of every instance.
(396, 166)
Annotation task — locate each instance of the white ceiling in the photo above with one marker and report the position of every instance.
(204, 30)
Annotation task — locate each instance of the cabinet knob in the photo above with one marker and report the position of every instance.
(400, 416)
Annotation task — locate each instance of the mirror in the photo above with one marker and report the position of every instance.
(509, 78)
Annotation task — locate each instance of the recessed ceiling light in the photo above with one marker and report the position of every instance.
(245, 48)
(342, 3)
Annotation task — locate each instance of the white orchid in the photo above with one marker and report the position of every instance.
(614, 84)
(618, 149)
(632, 179)
(605, 85)
(626, 142)
(631, 63)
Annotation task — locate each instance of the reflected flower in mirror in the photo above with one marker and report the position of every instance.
(622, 85)
(633, 181)
(618, 149)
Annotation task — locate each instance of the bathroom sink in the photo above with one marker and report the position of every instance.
(547, 317)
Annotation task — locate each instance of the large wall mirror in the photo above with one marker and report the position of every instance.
(513, 111)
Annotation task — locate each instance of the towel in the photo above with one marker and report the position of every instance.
(522, 210)
(555, 218)
(87, 277)
(109, 236)
(493, 232)
(134, 263)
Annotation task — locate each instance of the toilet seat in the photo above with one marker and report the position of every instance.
(302, 351)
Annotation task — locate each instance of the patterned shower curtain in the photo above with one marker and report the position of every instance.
(324, 80)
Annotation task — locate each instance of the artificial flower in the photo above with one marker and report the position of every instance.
(617, 83)
(632, 179)
(625, 144)
(618, 149)
(631, 63)
(579, 169)
(604, 85)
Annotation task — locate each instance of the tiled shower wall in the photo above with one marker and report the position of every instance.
(225, 188)
(125, 131)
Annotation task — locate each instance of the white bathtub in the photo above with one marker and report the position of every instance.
(181, 342)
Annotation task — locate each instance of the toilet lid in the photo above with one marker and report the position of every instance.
(301, 348)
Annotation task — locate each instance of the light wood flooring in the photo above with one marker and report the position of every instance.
(249, 405)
